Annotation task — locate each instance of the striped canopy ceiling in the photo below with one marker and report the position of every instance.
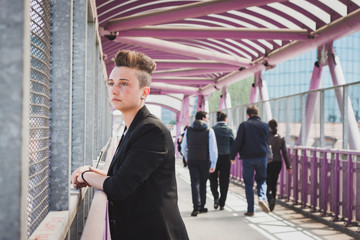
(201, 46)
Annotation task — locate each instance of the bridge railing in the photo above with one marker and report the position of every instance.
(322, 179)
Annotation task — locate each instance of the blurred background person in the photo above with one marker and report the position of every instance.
(224, 140)
(277, 144)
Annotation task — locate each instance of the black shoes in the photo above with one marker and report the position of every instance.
(272, 204)
(216, 203)
(221, 208)
(249, 214)
(194, 213)
(203, 210)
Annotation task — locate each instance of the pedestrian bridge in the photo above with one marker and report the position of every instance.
(55, 117)
(291, 218)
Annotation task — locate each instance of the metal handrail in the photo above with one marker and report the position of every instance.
(96, 225)
(323, 179)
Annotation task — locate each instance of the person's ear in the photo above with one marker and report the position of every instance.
(146, 92)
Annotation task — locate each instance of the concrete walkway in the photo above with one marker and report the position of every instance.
(231, 224)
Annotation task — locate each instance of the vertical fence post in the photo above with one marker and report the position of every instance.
(336, 186)
(281, 192)
(350, 189)
(314, 181)
(324, 179)
(288, 180)
(296, 167)
(304, 178)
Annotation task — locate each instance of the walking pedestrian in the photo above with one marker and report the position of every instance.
(224, 140)
(200, 151)
(278, 147)
(251, 143)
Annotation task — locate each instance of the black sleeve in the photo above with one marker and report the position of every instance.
(146, 152)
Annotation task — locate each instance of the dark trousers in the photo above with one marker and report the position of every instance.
(199, 173)
(273, 171)
(184, 162)
(222, 172)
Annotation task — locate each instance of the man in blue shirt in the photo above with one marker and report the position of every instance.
(199, 149)
(251, 143)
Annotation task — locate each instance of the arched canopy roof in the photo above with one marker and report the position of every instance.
(201, 46)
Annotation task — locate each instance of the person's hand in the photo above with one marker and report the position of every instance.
(76, 178)
(289, 170)
(232, 162)
(211, 170)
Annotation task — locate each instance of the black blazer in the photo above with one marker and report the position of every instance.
(141, 189)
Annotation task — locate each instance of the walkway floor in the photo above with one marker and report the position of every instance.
(231, 224)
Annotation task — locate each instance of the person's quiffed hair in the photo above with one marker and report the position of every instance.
(220, 116)
(200, 115)
(139, 61)
(252, 110)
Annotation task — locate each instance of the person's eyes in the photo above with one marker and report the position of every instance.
(110, 83)
(123, 84)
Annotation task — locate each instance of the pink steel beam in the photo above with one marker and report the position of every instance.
(232, 78)
(192, 10)
(254, 93)
(338, 78)
(200, 106)
(311, 101)
(173, 88)
(335, 30)
(203, 64)
(185, 72)
(184, 80)
(164, 106)
(184, 50)
(184, 113)
(216, 33)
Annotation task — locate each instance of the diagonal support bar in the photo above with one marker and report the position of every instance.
(216, 33)
(203, 64)
(185, 72)
(184, 50)
(311, 103)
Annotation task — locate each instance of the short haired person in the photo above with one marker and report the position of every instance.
(251, 143)
(200, 151)
(224, 140)
(274, 165)
(140, 184)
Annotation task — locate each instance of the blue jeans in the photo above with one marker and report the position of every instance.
(259, 166)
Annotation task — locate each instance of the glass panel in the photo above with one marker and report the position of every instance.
(333, 129)
(295, 119)
(314, 132)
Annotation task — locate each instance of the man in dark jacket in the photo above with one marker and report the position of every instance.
(224, 140)
(251, 143)
(200, 151)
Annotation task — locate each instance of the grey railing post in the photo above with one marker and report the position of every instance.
(79, 83)
(61, 80)
(14, 117)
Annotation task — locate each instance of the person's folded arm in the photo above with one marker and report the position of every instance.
(147, 151)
